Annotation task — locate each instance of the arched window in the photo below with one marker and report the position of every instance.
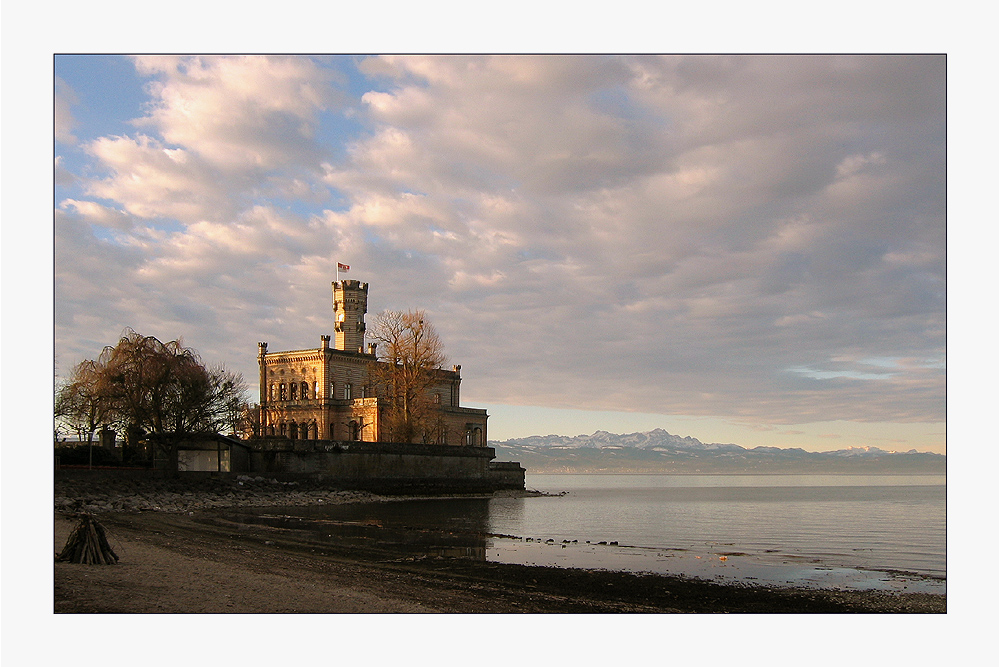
(473, 435)
(293, 390)
(282, 396)
(347, 391)
(315, 389)
(272, 391)
(283, 428)
(304, 390)
(332, 393)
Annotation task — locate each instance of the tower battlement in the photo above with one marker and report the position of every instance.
(350, 303)
(351, 285)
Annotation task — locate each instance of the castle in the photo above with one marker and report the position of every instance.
(325, 393)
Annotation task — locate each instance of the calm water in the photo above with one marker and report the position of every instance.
(826, 530)
(850, 532)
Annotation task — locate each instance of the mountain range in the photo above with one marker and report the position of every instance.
(660, 451)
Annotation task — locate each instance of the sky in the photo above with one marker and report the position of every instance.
(745, 249)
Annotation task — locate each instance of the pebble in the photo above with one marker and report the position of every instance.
(75, 496)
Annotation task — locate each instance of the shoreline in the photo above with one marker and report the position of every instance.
(181, 563)
(172, 495)
(186, 560)
(756, 473)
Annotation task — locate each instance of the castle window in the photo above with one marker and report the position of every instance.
(272, 391)
(355, 431)
(347, 391)
(332, 394)
(293, 431)
(283, 428)
(281, 393)
(315, 389)
(305, 390)
(293, 391)
(473, 435)
(437, 399)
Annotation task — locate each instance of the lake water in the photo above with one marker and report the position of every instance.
(831, 531)
(853, 532)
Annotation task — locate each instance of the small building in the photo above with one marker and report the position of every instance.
(325, 393)
(213, 453)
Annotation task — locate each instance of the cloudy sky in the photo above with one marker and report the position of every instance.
(741, 249)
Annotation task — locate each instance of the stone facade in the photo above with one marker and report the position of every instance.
(324, 393)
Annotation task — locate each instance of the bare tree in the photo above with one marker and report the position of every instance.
(81, 403)
(249, 425)
(410, 353)
(230, 391)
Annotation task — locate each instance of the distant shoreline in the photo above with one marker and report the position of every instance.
(530, 471)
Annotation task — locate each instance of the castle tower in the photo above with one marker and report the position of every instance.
(350, 303)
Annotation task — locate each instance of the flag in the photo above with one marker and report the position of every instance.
(343, 267)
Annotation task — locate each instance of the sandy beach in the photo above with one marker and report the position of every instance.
(181, 560)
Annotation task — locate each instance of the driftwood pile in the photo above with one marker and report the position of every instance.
(87, 544)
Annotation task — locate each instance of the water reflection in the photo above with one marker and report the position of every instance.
(851, 536)
(413, 529)
(503, 514)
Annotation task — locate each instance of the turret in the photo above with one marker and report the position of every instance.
(261, 355)
(350, 303)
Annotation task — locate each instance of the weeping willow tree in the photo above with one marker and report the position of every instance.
(410, 353)
(161, 390)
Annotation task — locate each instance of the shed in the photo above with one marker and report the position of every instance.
(213, 452)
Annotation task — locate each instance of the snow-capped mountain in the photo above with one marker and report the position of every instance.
(658, 450)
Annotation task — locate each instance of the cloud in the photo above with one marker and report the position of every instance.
(65, 98)
(659, 234)
(153, 181)
(222, 134)
(239, 113)
(64, 178)
(99, 215)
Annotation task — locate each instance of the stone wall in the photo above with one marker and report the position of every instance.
(506, 474)
(387, 467)
(390, 468)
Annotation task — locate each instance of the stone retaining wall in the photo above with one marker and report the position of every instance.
(388, 467)
(376, 467)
